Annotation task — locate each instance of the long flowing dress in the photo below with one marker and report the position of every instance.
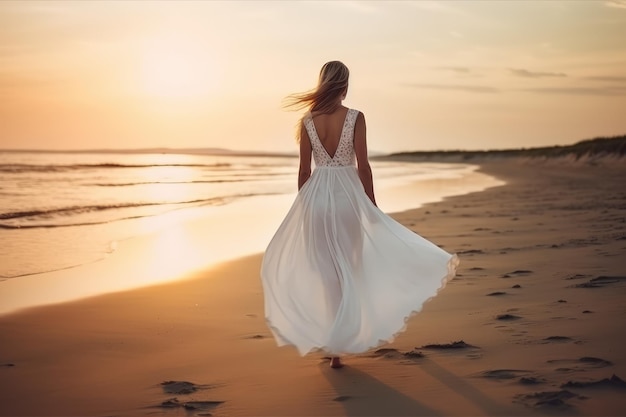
(339, 275)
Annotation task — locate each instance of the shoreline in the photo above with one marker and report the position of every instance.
(149, 259)
(550, 229)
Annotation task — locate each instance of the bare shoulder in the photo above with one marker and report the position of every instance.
(360, 118)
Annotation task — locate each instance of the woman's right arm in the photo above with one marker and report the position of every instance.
(304, 172)
(360, 149)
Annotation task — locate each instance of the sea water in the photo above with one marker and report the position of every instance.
(157, 216)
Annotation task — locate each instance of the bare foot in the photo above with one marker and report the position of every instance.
(335, 363)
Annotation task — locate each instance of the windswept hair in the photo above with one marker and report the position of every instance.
(332, 84)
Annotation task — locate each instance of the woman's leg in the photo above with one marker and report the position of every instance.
(335, 362)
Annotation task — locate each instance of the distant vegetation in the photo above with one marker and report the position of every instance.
(612, 146)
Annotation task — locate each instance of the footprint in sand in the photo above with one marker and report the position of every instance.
(342, 398)
(601, 281)
(577, 276)
(613, 382)
(507, 317)
(390, 353)
(562, 318)
(255, 336)
(550, 339)
(413, 354)
(472, 351)
(580, 364)
(186, 388)
(556, 400)
(460, 344)
(557, 339)
(385, 353)
(182, 387)
(517, 273)
(531, 380)
(500, 374)
(523, 376)
(471, 252)
(190, 405)
(416, 354)
(201, 405)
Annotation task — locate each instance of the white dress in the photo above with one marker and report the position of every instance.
(339, 275)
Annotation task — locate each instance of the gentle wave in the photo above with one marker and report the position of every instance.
(18, 168)
(69, 211)
(100, 207)
(127, 184)
(52, 225)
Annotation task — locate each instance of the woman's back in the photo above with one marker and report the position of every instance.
(337, 129)
(329, 127)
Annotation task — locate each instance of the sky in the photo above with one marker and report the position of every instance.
(428, 75)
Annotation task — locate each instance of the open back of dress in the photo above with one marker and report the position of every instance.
(340, 275)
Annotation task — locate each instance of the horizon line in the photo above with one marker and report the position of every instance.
(225, 151)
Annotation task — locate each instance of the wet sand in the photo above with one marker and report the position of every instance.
(532, 325)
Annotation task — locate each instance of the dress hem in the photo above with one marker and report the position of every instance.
(452, 266)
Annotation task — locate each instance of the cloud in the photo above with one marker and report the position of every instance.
(616, 4)
(532, 74)
(456, 87)
(457, 70)
(481, 89)
(462, 72)
(579, 91)
(609, 79)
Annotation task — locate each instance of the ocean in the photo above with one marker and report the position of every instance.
(61, 211)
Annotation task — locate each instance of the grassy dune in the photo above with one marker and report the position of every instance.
(591, 148)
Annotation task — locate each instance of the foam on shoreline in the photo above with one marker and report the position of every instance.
(227, 232)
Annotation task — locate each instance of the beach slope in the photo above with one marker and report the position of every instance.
(533, 324)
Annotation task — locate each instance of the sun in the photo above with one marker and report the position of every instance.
(174, 67)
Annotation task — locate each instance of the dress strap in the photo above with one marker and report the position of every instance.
(307, 120)
(351, 121)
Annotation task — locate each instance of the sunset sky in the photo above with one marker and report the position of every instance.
(428, 75)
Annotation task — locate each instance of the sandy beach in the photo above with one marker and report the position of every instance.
(532, 325)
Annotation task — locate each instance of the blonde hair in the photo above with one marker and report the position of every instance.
(332, 83)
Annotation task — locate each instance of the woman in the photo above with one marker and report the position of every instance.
(340, 276)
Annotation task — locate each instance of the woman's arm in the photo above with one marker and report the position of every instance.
(304, 172)
(360, 148)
